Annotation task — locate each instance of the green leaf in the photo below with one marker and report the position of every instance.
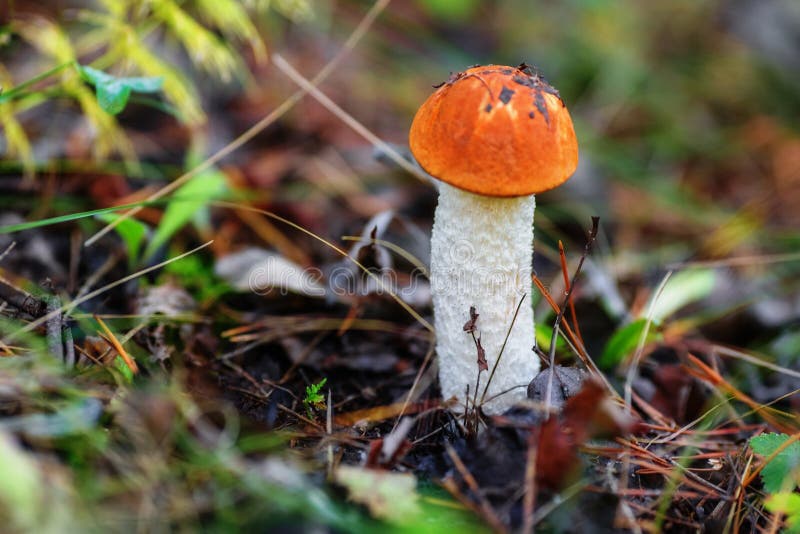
(314, 399)
(624, 341)
(441, 513)
(113, 96)
(785, 465)
(450, 10)
(131, 231)
(196, 274)
(681, 289)
(11, 228)
(21, 486)
(113, 93)
(544, 333)
(94, 76)
(313, 396)
(788, 504)
(125, 372)
(144, 85)
(190, 202)
(389, 496)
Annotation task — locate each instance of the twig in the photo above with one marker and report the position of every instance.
(69, 347)
(529, 498)
(53, 326)
(7, 251)
(112, 340)
(329, 432)
(400, 251)
(741, 261)
(637, 355)
(578, 347)
(417, 378)
(486, 509)
(502, 347)
(720, 350)
(567, 286)
(98, 273)
(22, 300)
(346, 118)
(403, 304)
(567, 299)
(67, 308)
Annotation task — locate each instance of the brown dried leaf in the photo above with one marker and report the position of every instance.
(482, 364)
(380, 413)
(469, 326)
(589, 414)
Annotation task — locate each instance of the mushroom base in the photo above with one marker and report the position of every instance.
(481, 252)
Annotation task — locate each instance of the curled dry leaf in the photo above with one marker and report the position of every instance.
(469, 326)
(483, 365)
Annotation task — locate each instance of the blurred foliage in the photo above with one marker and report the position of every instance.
(190, 202)
(788, 504)
(131, 36)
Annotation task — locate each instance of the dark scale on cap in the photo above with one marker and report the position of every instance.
(535, 82)
(547, 88)
(454, 77)
(540, 104)
(488, 108)
(524, 67)
(506, 71)
(527, 81)
(505, 95)
(531, 114)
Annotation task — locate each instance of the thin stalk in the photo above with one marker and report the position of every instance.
(14, 92)
(502, 348)
(567, 299)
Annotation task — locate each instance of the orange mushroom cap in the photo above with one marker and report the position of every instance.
(496, 131)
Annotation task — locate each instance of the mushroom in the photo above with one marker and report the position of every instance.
(494, 136)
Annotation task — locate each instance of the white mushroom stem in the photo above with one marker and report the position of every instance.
(481, 251)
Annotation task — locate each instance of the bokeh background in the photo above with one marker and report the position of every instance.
(688, 119)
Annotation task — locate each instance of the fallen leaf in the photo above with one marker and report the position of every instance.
(381, 413)
(264, 272)
(591, 413)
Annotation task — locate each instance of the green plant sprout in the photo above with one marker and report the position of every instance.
(314, 400)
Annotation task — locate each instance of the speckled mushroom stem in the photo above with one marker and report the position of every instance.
(481, 251)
